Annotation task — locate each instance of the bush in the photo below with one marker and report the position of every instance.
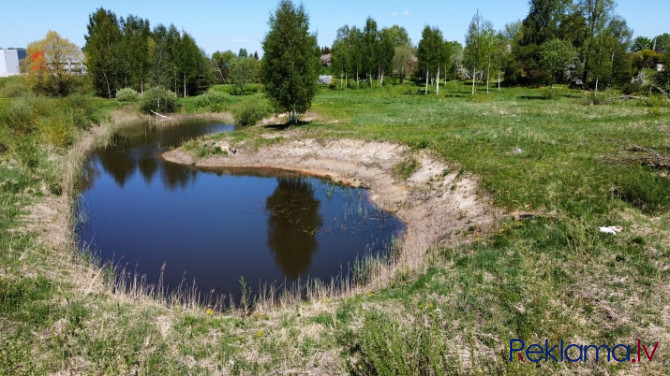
(127, 95)
(250, 112)
(159, 100)
(630, 89)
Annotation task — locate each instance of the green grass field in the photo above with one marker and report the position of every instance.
(573, 164)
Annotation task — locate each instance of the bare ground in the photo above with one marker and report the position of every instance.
(436, 202)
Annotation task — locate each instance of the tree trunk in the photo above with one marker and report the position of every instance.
(596, 93)
(185, 94)
(109, 89)
(488, 74)
(426, 91)
(498, 80)
(474, 73)
(358, 82)
(437, 82)
(346, 80)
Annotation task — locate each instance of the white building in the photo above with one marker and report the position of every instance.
(9, 62)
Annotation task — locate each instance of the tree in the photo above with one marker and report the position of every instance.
(542, 24)
(403, 62)
(54, 65)
(243, 70)
(399, 36)
(102, 51)
(597, 13)
(135, 45)
(291, 61)
(368, 47)
(222, 61)
(243, 53)
(556, 55)
(662, 43)
(341, 54)
(641, 43)
(431, 55)
(384, 52)
(476, 45)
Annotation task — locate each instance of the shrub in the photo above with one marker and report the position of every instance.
(159, 100)
(250, 112)
(630, 88)
(127, 95)
(58, 129)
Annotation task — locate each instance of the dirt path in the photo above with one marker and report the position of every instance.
(437, 203)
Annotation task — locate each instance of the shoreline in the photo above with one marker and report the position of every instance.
(436, 202)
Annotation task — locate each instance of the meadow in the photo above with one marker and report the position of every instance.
(558, 165)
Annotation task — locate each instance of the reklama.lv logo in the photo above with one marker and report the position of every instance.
(577, 353)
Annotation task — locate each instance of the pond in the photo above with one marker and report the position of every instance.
(211, 227)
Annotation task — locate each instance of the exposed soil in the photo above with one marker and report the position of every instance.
(437, 203)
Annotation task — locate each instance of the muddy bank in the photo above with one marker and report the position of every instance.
(438, 204)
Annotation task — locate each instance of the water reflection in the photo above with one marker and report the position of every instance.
(293, 224)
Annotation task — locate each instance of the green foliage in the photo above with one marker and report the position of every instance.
(127, 51)
(250, 112)
(555, 56)
(127, 95)
(103, 52)
(431, 54)
(158, 99)
(291, 63)
(242, 71)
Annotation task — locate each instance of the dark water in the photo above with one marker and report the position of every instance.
(215, 226)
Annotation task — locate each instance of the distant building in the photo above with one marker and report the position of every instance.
(325, 80)
(9, 62)
(326, 60)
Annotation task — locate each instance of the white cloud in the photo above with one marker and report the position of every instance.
(405, 13)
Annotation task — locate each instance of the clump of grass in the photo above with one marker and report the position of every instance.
(406, 168)
(647, 191)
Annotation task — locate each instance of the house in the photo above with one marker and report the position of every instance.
(326, 60)
(9, 62)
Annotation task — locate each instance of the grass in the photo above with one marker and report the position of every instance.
(552, 275)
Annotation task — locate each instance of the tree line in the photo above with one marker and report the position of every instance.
(126, 52)
(578, 41)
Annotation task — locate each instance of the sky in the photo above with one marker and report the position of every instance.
(223, 24)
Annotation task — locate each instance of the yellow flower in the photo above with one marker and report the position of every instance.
(259, 333)
(209, 311)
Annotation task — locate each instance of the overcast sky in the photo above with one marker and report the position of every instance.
(221, 25)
